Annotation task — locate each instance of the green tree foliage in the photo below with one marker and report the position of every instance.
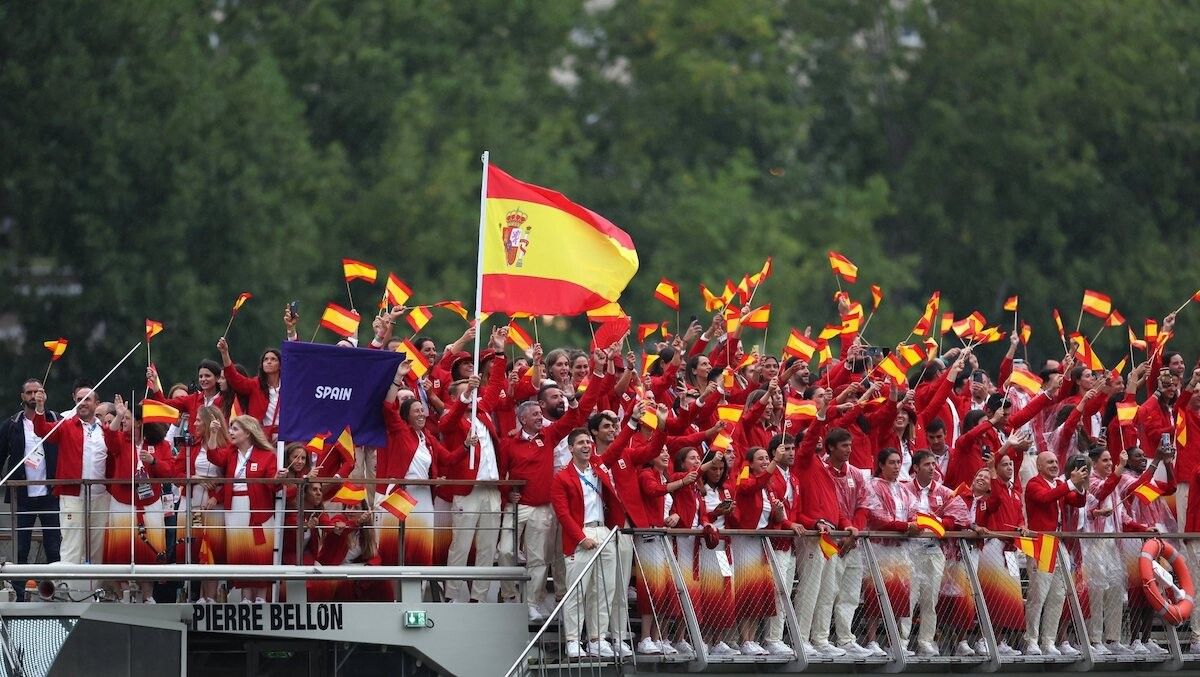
(161, 157)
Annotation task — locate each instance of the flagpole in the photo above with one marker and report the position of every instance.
(1185, 304)
(48, 365)
(483, 190)
(71, 411)
(350, 295)
(133, 461)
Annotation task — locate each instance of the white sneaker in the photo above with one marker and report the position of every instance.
(980, 647)
(722, 649)
(855, 650)
(1118, 649)
(1005, 650)
(649, 646)
(622, 649)
(600, 648)
(1051, 650)
(1067, 650)
(928, 649)
(1031, 649)
(808, 649)
(1100, 650)
(830, 651)
(875, 649)
(666, 648)
(535, 615)
(963, 649)
(751, 648)
(778, 649)
(682, 646)
(1194, 647)
(1155, 648)
(631, 594)
(573, 650)
(1138, 648)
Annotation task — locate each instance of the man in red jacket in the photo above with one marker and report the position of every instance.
(82, 454)
(1045, 496)
(583, 496)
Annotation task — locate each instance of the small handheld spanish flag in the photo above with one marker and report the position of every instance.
(56, 348)
(418, 317)
(828, 547)
(340, 321)
(350, 494)
(357, 270)
(157, 412)
(843, 267)
(1147, 493)
(345, 443)
(396, 292)
(927, 521)
(153, 328)
(400, 503)
(241, 301)
(668, 292)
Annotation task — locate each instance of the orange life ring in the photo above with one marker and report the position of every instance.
(1179, 607)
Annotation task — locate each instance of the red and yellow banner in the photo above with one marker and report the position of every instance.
(547, 255)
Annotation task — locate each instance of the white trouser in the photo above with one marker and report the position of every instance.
(476, 519)
(1181, 499)
(618, 619)
(786, 561)
(1044, 605)
(75, 549)
(840, 604)
(1193, 562)
(558, 563)
(815, 575)
(534, 525)
(929, 565)
(595, 590)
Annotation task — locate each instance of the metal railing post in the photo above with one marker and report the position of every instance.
(783, 598)
(1066, 573)
(885, 610)
(685, 604)
(87, 521)
(982, 614)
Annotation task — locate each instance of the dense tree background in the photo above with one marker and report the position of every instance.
(161, 156)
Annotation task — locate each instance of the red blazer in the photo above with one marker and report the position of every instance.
(261, 463)
(455, 426)
(689, 505)
(402, 447)
(311, 547)
(654, 495)
(123, 461)
(247, 386)
(1043, 505)
(566, 495)
(748, 503)
(69, 438)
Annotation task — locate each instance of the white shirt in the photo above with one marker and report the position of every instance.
(898, 499)
(486, 468)
(923, 496)
(422, 461)
(766, 511)
(593, 503)
(271, 415)
(562, 452)
(35, 464)
(240, 472)
(95, 455)
(712, 498)
(668, 503)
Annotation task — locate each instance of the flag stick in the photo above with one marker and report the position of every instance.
(149, 363)
(72, 411)
(533, 322)
(315, 330)
(1131, 363)
(483, 188)
(133, 461)
(1185, 304)
(863, 330)
(1080, 320)
(766, 331)
(1014, 322)
(227, 326)
(349, 294)
(1025, 351)
(51, 363)
(1099, 332)
(593, 332)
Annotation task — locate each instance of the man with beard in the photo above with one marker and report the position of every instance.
(21, 448)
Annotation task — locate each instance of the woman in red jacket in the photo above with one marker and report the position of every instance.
(208, 525)
(249, 506)
(714, 598)
(890, 507)
(756, 508)
(410, 454)
(135, 520)
(189, 404)
(657, 598)
(262, 391)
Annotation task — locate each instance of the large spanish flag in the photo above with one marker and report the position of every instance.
(546, 255)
